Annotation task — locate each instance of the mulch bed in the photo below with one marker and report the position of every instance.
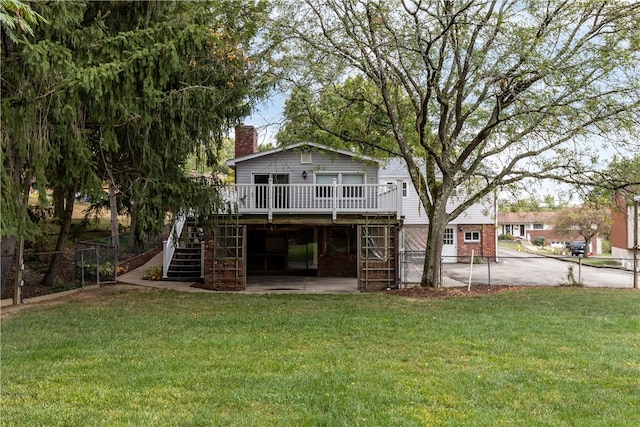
(419, 292)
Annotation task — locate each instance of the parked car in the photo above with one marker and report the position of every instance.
(576, 248)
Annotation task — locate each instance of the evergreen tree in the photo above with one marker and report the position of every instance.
(123, 92)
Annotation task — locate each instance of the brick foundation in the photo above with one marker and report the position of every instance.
(344, 265)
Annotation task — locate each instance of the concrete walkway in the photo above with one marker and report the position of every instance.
(265, 284)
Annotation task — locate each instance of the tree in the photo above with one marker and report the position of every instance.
(488, 92)
(621, 178)
(344, 107)
(124, 92)
(587, 221)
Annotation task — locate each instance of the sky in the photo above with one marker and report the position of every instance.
(267, 118)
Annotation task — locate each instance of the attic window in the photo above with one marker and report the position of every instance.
(305, 156)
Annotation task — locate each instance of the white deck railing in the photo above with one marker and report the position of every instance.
(331, 199)
(169, 245)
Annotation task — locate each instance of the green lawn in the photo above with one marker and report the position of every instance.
(547, 356)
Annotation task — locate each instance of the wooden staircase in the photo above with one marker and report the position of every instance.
(186, 264)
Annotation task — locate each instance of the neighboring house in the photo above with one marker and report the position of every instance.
(304, 209)
(622, 226)
(530, 225)
(473, 230)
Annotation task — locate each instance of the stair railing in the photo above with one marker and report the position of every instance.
(169, 245)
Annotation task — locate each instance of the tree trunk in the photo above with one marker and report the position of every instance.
(431, 274)
(113, 206)
(19, 264)
(8, 250)
(438, 220)
(65, 228)
(133, 213)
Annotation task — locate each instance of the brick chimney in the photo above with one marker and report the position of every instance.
(246, 140)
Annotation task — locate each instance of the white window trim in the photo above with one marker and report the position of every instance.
(305, 157)
(338, 176)
(472, 240)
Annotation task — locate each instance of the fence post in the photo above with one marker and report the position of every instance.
(489, 271)
(470, 270)
(97, 266)
(82, 267)
(579, 269)
(116, 256)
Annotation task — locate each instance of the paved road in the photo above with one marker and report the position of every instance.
(520, 268)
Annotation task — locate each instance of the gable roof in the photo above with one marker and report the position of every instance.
(287, 147)
(397, 167)
(525, 217)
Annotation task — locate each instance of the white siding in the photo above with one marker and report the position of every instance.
(289, 162)
(414, 212)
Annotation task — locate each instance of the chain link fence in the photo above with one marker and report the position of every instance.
(90, 262)
(77, 268)
(524, 270)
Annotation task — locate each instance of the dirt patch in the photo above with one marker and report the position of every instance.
(80, 295)
(419, 292)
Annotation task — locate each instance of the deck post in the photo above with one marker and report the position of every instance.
(270, 199)
(335, 199)
(398, 198)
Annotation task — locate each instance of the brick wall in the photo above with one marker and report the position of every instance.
(246, 140)
(343, 265)
(378, 276)
(619, 232)
(222, 274)
(486, 247)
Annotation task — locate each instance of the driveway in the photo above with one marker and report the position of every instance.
(518, 268)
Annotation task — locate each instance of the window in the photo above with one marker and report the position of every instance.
(392, 185)
(471, 236)
(305, 156)
(538, 226)
(448, 236)
(351, 185)
(324, 188)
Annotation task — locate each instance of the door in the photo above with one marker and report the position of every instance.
(449, 247)
(280, 198)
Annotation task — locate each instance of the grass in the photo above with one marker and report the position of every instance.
(546, 356)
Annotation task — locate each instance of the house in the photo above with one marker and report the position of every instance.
(622, 227)
(474, 231)
(309, 209)
(528, 226)
(304, 209)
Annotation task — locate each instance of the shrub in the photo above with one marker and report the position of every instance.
(505, 237)
(91, 270)
(153, 273)
(539, 241)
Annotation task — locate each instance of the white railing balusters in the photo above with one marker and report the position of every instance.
(332, 199)
(169, 245)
